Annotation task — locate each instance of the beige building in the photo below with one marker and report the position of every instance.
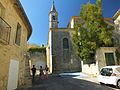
(15, 30)
(116, 18)
(116, 34)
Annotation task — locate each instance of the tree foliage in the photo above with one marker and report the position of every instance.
(92, 32)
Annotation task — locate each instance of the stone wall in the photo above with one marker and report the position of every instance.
(12, 51)
(63, 60)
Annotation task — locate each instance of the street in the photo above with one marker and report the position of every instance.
(56, 82)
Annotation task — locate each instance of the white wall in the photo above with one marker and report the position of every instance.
(91, 69)
(40, 63)
(117, 24)
(50, 43)
(72, 23)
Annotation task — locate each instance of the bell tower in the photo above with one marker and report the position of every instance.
(53, 17)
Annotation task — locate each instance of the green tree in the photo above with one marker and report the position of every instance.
(92, 32)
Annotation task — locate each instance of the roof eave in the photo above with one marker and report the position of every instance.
(116, 14)
(17, 5)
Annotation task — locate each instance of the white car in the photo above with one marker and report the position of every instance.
(110, 75)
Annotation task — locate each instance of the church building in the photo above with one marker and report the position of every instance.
(61, 56)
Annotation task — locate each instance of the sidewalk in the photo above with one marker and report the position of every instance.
(80, 75)
(91, 79)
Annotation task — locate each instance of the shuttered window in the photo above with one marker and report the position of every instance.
(18, 34)
(109, 59)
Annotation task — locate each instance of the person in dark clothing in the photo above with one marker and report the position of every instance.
(33, 71)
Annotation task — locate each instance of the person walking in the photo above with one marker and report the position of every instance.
(41, 72)
(33, 71)
(46, 71)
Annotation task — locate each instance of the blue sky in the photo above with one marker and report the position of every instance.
(37, 12)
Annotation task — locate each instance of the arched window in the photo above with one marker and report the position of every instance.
(53, 17)
(65, 43)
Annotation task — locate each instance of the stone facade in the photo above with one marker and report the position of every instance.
(63, 59)
(13, 43)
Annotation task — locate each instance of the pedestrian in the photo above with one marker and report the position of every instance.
(41, 72)
(33, 71)
(46, 71)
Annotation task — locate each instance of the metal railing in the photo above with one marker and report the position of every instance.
(4, 32)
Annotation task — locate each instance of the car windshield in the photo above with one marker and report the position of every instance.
(106, 71)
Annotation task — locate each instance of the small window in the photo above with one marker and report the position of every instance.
(53, 17)
(5, 31)
(65, 43)
(18, 34)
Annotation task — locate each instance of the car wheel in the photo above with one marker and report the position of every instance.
(118, 84)
(101, 83)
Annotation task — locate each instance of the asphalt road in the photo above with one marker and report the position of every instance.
(65, 83)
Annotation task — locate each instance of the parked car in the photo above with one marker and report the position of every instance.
(110, 75)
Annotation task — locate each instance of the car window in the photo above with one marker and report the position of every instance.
(106, 71)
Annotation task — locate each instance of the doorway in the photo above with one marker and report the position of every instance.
(109, 59)
(13, 75)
